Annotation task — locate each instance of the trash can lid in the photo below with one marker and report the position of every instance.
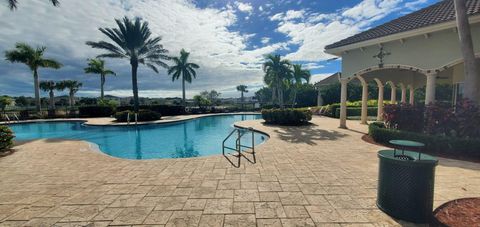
(407, 156)
(406, 143)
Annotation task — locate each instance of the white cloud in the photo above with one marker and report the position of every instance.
(313, 65)
(313, 31)
(244, 7)
(265, 40)
(221, 53)
(277, 17)
(294, 14)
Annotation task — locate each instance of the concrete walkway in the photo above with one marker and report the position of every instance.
(305, 176)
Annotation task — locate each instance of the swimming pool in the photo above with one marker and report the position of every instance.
(191, 138)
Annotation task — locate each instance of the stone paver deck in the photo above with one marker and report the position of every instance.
(305, 176)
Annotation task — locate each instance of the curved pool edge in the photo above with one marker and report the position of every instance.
(88, 121)
(93, 147)
(166, 121)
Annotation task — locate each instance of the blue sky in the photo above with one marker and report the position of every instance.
(228, 39)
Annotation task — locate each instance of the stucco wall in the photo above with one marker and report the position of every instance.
(439, 49)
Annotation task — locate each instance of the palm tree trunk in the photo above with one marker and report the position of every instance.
(72, 101)
(51, 109)
(52, 100)
(472, 80)
(37, 90)
(274, 95)
(183, 91)
(102, 83)
(243, 102)
(280, 94)
(134, 64)
(294, 97)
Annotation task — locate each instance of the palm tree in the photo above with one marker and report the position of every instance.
(472, 74)
(33, 58)
(12, 4)
(242, 89)
(299, 76)
(132, 40)
(277, 72)
(73, 86)
(183, 68)
(50, 86)
(97, 66)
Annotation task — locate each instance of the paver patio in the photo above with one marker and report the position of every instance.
(305, 176)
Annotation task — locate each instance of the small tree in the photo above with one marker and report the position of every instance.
(72, 86)
(50, 86)
(200, 101)
(97, 66)
(242, 89)
(4, 102)
(33, 58)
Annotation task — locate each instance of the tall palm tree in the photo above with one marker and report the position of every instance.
(50, 86)
(183, 68)
(472, 73)
(12, 4)
(299, 75)
(133, 40)
(242, 89)
(97, 66)
(277, 72)
(73, 86)
(33, 58)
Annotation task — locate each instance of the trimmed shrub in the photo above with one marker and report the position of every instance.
(357, 111)
(143, 115)
(297, 116)
(433, 143)
(96, 111)
(404, 117)
(6, 137)
(163, 110)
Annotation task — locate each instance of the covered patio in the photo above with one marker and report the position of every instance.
(417, 50)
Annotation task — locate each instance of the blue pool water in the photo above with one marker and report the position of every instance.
(191, 138)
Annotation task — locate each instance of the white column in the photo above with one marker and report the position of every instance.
(319, 98)
(412, 95)
(380, 101)
(430, 89)
(364, 115)
(404, 93)
(343, 103)
(393, 94)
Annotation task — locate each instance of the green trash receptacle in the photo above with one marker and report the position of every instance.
(405, 185)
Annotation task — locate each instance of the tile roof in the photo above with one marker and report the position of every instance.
(442, 11)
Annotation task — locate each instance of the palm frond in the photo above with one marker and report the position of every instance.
(50, 63)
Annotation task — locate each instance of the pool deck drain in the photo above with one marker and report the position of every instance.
(304, 176)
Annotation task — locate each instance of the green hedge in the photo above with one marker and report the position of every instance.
(357, 111)
(433, 144)
(163, 110)
(143, 115)
(298, 116)
(96, 111)
(6, 137)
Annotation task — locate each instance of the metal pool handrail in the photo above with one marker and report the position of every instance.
(238, 146)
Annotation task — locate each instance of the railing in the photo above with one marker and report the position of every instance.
(240, 149)
(128, 118)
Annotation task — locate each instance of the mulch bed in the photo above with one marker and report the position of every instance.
(369, 139)
(459, 212)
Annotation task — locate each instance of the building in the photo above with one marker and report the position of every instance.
(416, 50)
